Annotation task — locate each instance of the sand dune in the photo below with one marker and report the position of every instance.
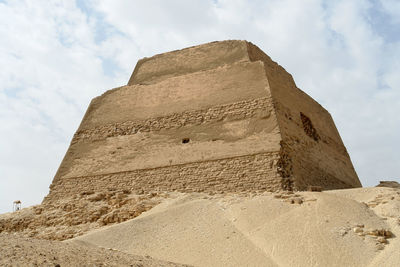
(356, 227)
(17, 250)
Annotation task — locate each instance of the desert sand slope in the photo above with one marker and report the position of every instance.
(385, 202)
(334, 228)
(22, 251)
(190, 229)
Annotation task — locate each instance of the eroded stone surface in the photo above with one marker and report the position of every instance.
(219, 117)
(73, 216)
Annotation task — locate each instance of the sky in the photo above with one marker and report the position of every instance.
(56, 55)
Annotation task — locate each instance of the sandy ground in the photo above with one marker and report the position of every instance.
(21, 251)
(351, 227)
(356, 227)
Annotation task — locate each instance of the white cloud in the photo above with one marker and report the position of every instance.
(51, 69)
(57, 55)
(392, 8)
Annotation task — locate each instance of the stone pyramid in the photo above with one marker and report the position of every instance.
(218, 117)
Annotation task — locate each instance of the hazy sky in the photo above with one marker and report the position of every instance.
(55, 56)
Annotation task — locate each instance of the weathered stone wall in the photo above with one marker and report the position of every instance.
(317, 158)
(240, 174)
(231, 130)
(188, 60)
(221, 117)
(227, 84)
(261, 107)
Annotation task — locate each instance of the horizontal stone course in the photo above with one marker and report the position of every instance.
(242, 109)
(240, 174)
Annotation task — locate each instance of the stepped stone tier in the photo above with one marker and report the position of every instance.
(219, 117)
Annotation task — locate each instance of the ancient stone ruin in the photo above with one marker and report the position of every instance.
(219, 117)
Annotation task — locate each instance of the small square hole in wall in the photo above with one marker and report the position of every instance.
(185, 140)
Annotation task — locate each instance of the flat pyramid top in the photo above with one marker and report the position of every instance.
(188, 60)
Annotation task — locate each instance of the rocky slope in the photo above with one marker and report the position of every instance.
(71, 217)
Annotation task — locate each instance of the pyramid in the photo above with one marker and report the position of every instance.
(218, 117)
